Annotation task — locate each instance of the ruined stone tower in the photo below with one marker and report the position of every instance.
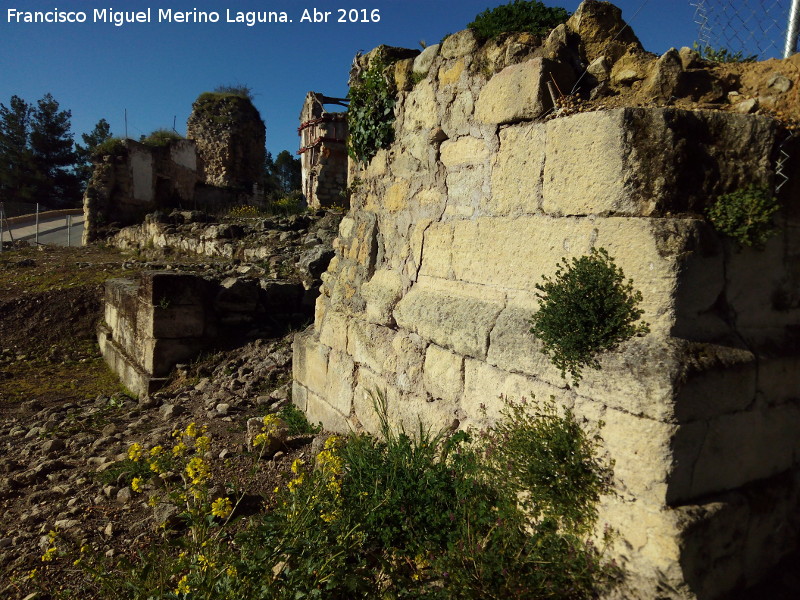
(230, 138)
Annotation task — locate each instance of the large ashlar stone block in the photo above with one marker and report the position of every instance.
(466, 190)
(339, 392)
(463, 152)
(443, 374)
(458, 317)
(420, 109)
(370, 388)
(499, 253)
(517, 171)
(637, 161)
(382, 293)
(310, 362)
(484, 386)
(747, 446)
(318, 410)
(173, 321)
(519, 92)
(436, 251)
(371, 345)
(333, 330)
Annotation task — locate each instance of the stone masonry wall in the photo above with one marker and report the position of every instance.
(432, 287)
(136, 180)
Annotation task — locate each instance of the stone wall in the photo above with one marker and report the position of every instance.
(230, 138)
(134, 180)
(432, 287)
(165, 318)
(323, 151)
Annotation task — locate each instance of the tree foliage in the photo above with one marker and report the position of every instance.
(282, 174)
(92, 140)
(37, 154)
(53, 152)
(17, 180)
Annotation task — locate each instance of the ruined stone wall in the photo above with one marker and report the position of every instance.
(323, 150)
(230, 138)
(137, 179)
(432, 288)
(164, 318)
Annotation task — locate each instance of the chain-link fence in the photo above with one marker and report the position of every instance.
(758, 28)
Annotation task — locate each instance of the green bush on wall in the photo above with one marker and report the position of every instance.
(586, 308)
(521, 15)
(745, 215)
(370, 116)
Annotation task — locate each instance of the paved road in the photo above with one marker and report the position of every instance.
(52, 230)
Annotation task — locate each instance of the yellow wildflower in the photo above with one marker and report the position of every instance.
(152, 501)
(183, 586)
(136, 484)
(32, 574)
(231, 571)
(295, 483)
(221, 507)
(179, 449)
(332, 442)
(205, 564)
(135, 452)
(155, 467)
(198, 471)
(330, 517)
(296, 464)
(260, 439)
(156, 451)
(191, 430)
(49, 554)
(202, 444)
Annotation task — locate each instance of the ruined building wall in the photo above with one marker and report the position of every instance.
(323, 151)
(230, 138)
(431, 291)
(136, 179)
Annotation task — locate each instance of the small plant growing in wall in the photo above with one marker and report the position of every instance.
(520, 15)
(745, 215)
(586, 308)
(370, 117)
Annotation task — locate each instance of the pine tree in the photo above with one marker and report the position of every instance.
(287, 169)
(53, 154)
(17, 173)
(98, 135)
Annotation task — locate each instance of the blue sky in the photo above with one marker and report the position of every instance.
(156, 70)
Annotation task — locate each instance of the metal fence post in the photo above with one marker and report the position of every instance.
(2, 218)
(69, 230)
(37, 224)
(792, 29)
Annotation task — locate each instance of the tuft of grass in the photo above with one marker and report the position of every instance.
(161, 138)
(520, 15)
(296, 421)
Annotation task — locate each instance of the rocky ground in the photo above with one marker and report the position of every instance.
(65, 423)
